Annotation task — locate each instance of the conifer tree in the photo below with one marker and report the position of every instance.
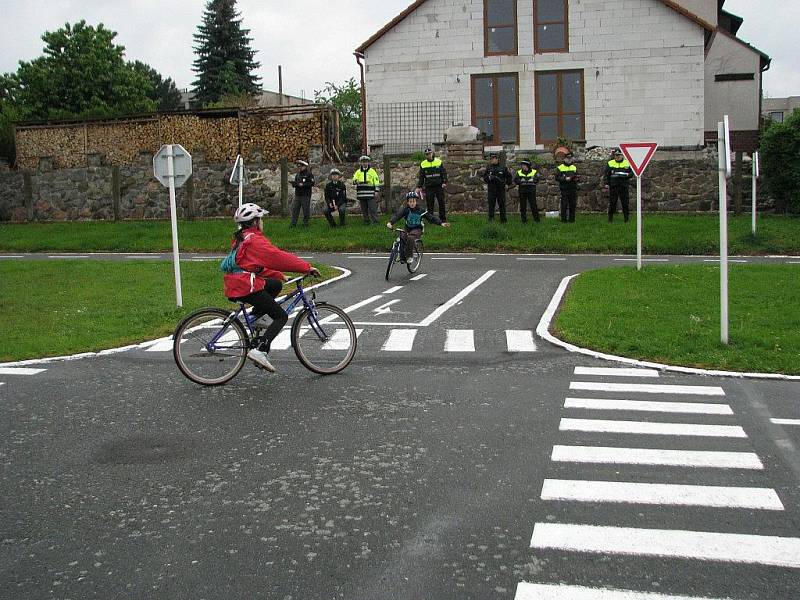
(225, 62)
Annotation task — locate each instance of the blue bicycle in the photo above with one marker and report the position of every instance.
(210, 345)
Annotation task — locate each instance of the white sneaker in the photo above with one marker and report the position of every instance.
(260, 359)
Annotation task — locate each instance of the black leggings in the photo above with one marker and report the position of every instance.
(264, 304)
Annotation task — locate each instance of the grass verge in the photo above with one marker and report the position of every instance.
(670, 315)
(663, 234)
(71, 306)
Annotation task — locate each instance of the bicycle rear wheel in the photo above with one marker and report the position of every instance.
(416, 259)
(392, 258)
(210, 347)
(324, 339)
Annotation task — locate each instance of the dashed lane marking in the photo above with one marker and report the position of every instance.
(418, 277)
(648, 456)
(615, 372)
(698, 390)
(648, 428)
(697, 408)
(393, 290)
(785, 421)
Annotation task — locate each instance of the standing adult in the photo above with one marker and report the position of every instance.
(526, 179)
(303, 185)
(617, 177)
(498, 180)
(567, 177)
(367, 185)
(433, 179)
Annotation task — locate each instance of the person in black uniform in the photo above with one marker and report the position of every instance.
(303, 184)
(617, 177)
(433, 180)
(526, 179)
(567, 177)
(498, 180)
(335, 198)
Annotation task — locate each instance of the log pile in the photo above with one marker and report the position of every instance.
(65, 145)
(276, 138)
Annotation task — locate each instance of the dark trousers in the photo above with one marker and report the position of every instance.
(497, 197)
(369, 209)
(342, 208)
(299, 202)
(525, 199)
(263, 303)
(409, 236)
(569, 202)
(621, 193)
(431, 195)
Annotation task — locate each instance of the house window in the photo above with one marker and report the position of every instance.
(495, 107)
(500, 27)
(776, 116)
(559, 106)
(551, 26)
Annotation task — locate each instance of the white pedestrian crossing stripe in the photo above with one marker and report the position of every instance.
(643, 388)
(604, 371)
(164, 345)
(340, 340)
(400, 340)
(652, 456)
(460, 340)
(699, 545)
(520, 341)
(643, 406)
(647, 428)
(20, 371)
(538, 591)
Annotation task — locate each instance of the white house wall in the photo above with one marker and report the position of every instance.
(733, 98)
(643, 66)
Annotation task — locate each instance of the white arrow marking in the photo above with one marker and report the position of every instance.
(382, 310)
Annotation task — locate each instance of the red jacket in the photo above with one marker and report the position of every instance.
(257, 255)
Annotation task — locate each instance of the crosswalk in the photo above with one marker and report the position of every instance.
(15, 372)
(646, 438)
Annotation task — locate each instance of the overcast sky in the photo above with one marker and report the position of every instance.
(312, 39)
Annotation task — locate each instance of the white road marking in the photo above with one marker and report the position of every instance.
(785, 421)
(540, 591)
(520, 341)
(400, 340)
(642, 406)
(385, 308)
(70, 256)
(646, 456)
(646, 428)
(20, 371)
(393, 290)
(643, 388)
(456, 299)
(716, 260)
(460, 340)
(699, 545)
(657, 493)
(165, 345)
(451, 258)
(141, 256)
(340, 340)
(418, 277)
(643, 260)
(12, 256)
(283, 341)
(371, 257)
(542, 259)
(615, 372)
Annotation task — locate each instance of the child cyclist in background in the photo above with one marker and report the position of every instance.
(413, 216)
(256, 277)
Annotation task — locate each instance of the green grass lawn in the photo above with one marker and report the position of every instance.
(670, 315)
(663, 234)
(71, 306)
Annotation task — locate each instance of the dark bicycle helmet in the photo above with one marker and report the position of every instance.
(411, 195)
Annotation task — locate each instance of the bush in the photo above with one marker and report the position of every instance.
(780, 150)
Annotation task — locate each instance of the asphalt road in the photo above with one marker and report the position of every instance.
(460, 461)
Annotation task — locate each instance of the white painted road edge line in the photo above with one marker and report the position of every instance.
(540, 591)
(39, 361)
(648, 388)
(785, 421)
(648, 428)
(699, 545)
(658, 493)
(695, 408)
(615, 372)
(20, 371)
(650, 456)
(543, 331)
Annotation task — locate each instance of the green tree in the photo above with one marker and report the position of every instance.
(164, 93)
(225, 62)
(9, 113)
(780, 150)
(346, 98)
(81, 74)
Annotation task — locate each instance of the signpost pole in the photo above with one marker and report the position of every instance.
(723, 232)
(639, 223)
(241, 181)
(174, 218)
(756, 173)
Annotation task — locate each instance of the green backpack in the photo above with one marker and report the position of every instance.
(228, 264)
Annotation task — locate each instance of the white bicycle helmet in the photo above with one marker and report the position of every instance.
(247, 212)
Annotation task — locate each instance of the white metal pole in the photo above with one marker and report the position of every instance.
(173, 213)
(723, 233)
(241, 181)
(754, 164)
(639, 223)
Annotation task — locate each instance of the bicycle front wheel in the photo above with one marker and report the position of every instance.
(210, 347)
(416, 259)
(324, 339)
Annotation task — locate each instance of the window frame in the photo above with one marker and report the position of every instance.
(495, 116)
(772, 114)
(560, 113)
(536, 23)
(514, 26)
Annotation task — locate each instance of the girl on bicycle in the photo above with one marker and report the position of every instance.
(259, 277)
(413, 229)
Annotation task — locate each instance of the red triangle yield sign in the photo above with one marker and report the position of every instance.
(639, 155)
